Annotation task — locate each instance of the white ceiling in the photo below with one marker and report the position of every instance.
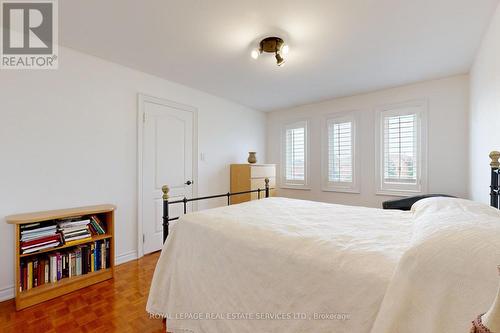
(337, 47)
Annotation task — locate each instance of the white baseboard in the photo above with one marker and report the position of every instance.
(125, 257)
(6, 293)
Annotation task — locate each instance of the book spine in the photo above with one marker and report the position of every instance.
(92, 257)
(66, 265)
(78, 262)
(103, 255)
(59, 266)
(53, 268)
(84, 260)
(35, 272)
(21, 276)
(30, 274)
(98, 255)
(108, 259)
(41, 272)
(47, 280)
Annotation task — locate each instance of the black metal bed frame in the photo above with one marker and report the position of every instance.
(495, 179)
(166, 203)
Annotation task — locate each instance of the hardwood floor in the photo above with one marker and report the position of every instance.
(117, 305)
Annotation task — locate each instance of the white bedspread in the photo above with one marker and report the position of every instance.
(278, 257)
(449, 274)
(359, 269)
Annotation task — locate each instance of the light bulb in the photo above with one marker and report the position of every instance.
(279, 59)
(285, 49)
(254, 54)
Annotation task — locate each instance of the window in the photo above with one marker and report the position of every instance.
(339, 166)
(295, 140)
(401, 149)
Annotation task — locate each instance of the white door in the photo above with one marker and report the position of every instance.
(167, 159)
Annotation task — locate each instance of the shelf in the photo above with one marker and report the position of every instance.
(50, 290)
(83, 241)
(47, 291)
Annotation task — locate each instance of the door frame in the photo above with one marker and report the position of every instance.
(141, 100)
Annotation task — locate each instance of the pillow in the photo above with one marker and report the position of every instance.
(441, 215)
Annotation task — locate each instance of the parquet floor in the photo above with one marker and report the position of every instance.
(117, 305)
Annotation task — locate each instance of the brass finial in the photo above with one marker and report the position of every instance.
(266, 181)
(165, 190)
(495, 156)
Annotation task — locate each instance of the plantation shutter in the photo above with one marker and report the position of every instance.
(295, 154)
(400, 149)
(340, 152)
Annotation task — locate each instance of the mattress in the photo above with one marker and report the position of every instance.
(279, 265)
(284, 265)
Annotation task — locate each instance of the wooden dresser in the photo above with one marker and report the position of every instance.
(246, 177)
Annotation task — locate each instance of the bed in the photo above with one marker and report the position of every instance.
(284, 265)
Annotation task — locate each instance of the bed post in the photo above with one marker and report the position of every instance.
(495, 164)
(267, 187)
(165, 190)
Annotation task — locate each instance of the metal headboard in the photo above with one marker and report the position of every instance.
(166, 203)
(495, 179)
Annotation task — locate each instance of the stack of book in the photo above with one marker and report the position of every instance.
(51, 268)
(74, 231)
(35, 237)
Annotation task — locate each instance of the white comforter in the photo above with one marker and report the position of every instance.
(283, 265)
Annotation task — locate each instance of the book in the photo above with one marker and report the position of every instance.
(76, 234)
(53, 267)
(103, 255)
(38, 241)
(66, 224)
(29, 226)
(35, 236)
(39, 229)
(72, 270)
(22, 268)
(108, 259)
(35, 272)
(78, 259)
(59, 266)
(39, 245)
(42, 247)
(92, 257)
(78, 241)
(30, 275)
(67, 231)
(47, 270)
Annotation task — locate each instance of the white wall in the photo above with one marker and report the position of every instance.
(485, 110)
(68, 138)
(447, 138)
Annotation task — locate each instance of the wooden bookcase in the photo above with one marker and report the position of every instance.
(49, 290)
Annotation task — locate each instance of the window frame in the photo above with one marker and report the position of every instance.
(326, 184)
(293, 184)
(420, 186)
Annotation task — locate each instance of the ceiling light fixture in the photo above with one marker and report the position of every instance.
(274, 45)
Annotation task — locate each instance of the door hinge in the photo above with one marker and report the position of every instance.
(144, 117)
(143, 238)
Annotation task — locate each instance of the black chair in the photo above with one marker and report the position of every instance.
(406, 203)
